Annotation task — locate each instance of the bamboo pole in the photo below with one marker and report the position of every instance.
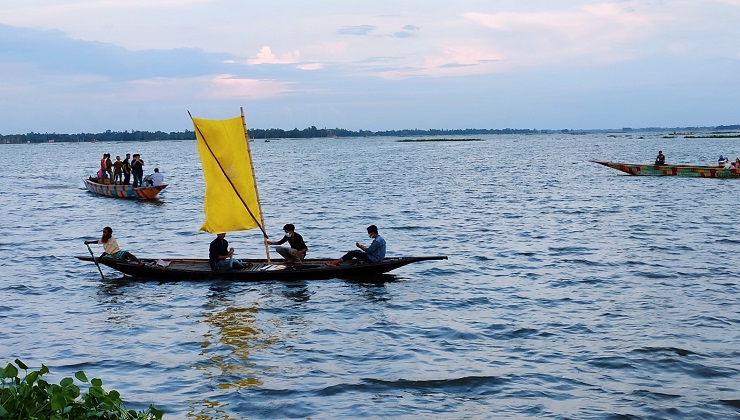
(256, 190)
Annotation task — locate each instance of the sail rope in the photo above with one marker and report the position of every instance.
(227, 177)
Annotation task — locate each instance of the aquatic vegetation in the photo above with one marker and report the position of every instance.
(33, 397)
(433, 140)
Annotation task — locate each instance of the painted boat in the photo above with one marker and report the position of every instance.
(257, 269)
(695, 171)
(123, 191)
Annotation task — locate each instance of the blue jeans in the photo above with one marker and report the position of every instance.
(230, 263)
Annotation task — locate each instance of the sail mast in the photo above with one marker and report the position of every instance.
(256, 190)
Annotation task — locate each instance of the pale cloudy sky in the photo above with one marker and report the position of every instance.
(71, 66)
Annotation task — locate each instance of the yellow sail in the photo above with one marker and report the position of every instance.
(231, 200)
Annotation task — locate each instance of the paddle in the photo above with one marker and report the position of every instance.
(95, 261)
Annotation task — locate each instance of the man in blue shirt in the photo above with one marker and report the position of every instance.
(369, 254)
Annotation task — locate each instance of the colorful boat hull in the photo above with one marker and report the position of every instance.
(258, 269)
(123, 191)
(672, 170)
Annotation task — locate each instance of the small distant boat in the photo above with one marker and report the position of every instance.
(257, 269)
(123, 191)
(696, 171)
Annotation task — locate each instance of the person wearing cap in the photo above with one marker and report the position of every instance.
(297, 250)
(221, 256)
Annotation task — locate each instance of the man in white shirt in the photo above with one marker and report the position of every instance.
(156, 179)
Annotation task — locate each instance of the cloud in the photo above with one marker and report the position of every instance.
(228, 86)
(356, 30)
(266, 56)
(55, 52)
(221, 86)
(310, 66)
(403, 34)
(594, 31)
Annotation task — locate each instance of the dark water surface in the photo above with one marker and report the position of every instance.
(571, 291)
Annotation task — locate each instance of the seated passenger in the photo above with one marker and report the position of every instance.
(154, 180)
(110, 246)
(221, 256)
(722, 162)
(660, 159)
(368, 254)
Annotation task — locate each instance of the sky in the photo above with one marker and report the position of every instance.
(87, 66)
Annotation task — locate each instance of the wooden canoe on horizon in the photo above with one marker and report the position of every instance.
(257, 270)
(695, 171)
(123, 191)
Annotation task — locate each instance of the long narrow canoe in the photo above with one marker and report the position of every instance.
(123, 191)
(257, 269)
(695, 171)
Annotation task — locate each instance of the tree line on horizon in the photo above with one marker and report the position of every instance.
(310, 132)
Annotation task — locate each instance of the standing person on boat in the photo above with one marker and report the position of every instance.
(297, 250)
(110, 246)
(118, 171)
(660, 159)
(102, 173)
(127, 169)
(109, 166)
(369, 254)
(221, 256)
(137, 169)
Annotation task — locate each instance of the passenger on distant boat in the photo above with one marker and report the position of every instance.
(297, 250)
(109, 166)
(221, 256)
(722, 162)
(370, 254)
(118, 171)
(736, 164)
(110, 245)
(103, 172)
(127, 169)
(660, 159)
(137, 169)
(154, 180)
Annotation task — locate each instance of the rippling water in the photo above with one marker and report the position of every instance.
(571, 291)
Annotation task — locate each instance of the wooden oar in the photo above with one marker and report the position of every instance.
(95, 261)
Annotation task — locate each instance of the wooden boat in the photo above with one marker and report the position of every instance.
(695, 171)
(257, 269)
(123, 191)
(231, 203)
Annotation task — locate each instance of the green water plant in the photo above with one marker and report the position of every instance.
(34, 398)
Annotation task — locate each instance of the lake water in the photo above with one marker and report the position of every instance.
(571, 291)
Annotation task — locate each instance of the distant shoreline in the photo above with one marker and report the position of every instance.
(721, 131)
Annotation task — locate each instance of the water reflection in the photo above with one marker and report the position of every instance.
(297, 292)
(233, 335)
(373, 289)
